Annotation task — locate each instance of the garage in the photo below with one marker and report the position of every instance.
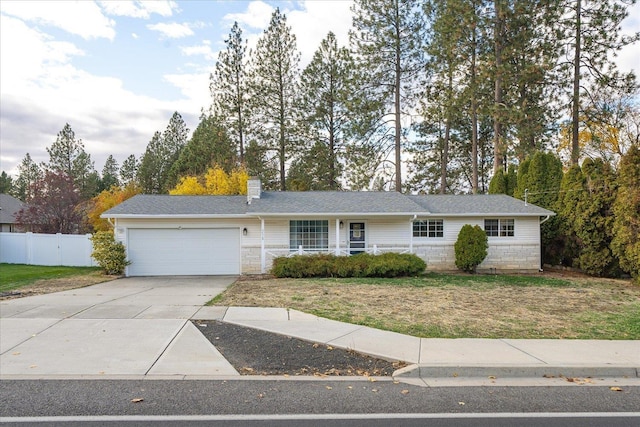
(183, 251)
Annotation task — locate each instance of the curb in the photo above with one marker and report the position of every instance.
(515, 371)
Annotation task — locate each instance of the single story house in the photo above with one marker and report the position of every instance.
(209, 235)
(9, 207)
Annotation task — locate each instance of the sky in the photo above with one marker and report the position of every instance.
(117, 70)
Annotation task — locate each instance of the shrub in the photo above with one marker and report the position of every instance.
(361, 265)
(471, 247)
(109, 254)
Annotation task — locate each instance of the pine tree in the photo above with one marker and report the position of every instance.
(67, 155)
(229, 89)
(210, 145)
(109, 174)
(388, 38)
(28, 174)
(326, 86)
(6, 184)
(592, 34)
(129, 170)
(274, 89)
(162, 152)
(626, 208)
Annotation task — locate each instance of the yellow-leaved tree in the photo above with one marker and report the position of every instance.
(106, 200)
(214, 182)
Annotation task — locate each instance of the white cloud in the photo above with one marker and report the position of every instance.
(203, 50)
(257, 16)
(138, 9)
(172, 30)
(628, 58)
(81, 18)
(194, 87)
(315, 20)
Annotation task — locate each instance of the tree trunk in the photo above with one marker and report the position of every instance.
(474, 117)
(498, 102)
(397, 87)
(575, 113)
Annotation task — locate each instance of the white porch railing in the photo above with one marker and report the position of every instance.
(374, 250)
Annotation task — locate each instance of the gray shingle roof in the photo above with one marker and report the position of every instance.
(486, 204)
(10, 206)
(322, 203)
(164, 205)
(333, 202)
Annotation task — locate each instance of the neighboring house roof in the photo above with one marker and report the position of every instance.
(486, 204)
(290, 203)
(9, 207)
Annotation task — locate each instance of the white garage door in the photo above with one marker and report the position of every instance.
(183, 252)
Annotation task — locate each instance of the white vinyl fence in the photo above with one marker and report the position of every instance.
(46, 249)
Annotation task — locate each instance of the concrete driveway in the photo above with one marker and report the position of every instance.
(127, 327)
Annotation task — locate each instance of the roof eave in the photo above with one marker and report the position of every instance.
(173, 216)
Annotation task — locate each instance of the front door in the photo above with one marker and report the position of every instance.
(357, 242)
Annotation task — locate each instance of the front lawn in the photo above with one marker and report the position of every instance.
(14, 277)
(459, 305)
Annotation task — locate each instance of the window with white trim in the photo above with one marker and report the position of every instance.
(312, 235)
(428, 228)
(499, 227)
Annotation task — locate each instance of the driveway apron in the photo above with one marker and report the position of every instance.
(128, 327)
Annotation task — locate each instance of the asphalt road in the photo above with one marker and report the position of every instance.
(28, 398)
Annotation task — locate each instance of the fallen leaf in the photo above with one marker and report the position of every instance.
(286, 375)
(33, 366)
(492, 377)
(615, 389)
(405, 391)
(349, 387)
(375, 390)
(329, 347)
(137, 400)
(316, 345)
(261, 395)
(396, 382)
(16, 353)
(455, 375)
(373, 380)
(329, 387)
(461, 403)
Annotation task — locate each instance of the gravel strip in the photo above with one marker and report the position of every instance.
(255, 352)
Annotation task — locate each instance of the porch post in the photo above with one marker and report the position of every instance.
(263, 261)
(337, 237)
(411, 235)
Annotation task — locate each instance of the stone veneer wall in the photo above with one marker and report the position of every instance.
(501, 258)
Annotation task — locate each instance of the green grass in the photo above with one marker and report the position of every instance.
(466, 280)
(15, 276)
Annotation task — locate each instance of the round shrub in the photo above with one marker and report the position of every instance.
(109, 254)
(471, 247)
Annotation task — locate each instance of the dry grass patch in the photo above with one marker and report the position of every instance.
(451, 307)
(59, 284)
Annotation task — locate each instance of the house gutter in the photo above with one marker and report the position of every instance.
(545, 220)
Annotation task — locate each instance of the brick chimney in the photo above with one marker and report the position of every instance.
(254, 188)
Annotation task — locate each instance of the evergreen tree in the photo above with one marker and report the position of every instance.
(67, 156)
(626, 208)
(592, 35)
(109, 174)
(28, 174)
(274, 89)
(6, 184)
(540, 180)
(229, 89)
(326, 86)
(388, 38)
(498, 184)
(162, 152)
(210, 145)
(129, 170)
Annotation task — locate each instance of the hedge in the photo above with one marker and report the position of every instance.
(361, 265)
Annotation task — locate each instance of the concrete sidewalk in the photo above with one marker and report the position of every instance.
(140, 328)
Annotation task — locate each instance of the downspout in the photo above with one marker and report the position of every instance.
(545, 220)
(337, 236)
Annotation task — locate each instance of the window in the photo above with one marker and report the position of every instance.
(428, 228)
(499, 227)
(312, 235)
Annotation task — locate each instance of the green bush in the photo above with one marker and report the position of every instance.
(109, 254)
(471, 247)
(361, 265)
